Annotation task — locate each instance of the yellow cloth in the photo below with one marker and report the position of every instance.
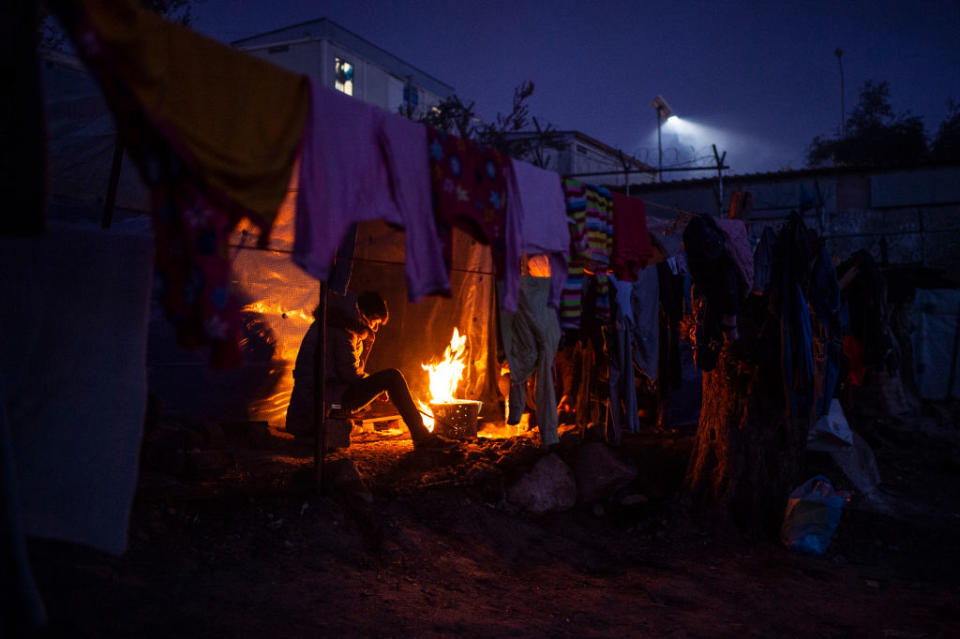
(238, 119)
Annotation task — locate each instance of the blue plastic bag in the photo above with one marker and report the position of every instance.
(812, 514)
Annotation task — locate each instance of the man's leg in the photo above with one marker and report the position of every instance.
(363, 391)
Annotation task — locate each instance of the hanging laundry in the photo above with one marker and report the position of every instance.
(790, 275)
(542, 219)
(235, 120)
(214, 142)
(360, 163)
(717, 287)
(623, 391)
(590, 217)
(762, 259)
(531, 336)
(741, 204)
(631, 239)
(828, 334)
(470, 192)
(738, 247)
(645, 306)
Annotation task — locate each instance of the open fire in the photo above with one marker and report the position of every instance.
(445, 376)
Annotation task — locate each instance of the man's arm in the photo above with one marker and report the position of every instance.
(367, 342)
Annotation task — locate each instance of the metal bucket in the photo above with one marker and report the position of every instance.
(456, 419)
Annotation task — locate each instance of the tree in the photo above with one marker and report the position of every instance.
(946, 146)
(874, 135)
(510, 134)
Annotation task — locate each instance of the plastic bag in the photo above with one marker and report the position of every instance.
(830, 430)
(812, 514)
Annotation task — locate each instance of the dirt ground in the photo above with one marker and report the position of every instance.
(429, 547)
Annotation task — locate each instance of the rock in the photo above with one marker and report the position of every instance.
(599, 472)
(549, 486)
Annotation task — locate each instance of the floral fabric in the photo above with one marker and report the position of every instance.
(470, 192)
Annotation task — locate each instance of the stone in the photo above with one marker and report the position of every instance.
(549, 486)
(600, 472)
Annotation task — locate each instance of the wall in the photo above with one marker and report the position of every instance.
(904, 217)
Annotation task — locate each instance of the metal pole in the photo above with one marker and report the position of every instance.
(319, 389)
(659, 148)
(720, 159)
(843, 109)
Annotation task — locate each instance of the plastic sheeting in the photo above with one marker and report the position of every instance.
(279, 300)
(936, 343)
(278, 297)
(81, 137)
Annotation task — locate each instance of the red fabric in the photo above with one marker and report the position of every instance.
(631, 240)
(853, 351)
(470, 192)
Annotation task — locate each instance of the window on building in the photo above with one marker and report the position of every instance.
(343, 74)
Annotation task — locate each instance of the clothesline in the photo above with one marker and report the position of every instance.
(242, 246)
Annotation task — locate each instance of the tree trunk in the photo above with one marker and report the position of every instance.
(748, 454)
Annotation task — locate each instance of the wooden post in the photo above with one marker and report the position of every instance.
(319, 389)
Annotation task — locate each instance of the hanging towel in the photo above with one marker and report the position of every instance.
(590, 218)
(343, 177)
(359, 164)
(631, 239)
(470, 192)
(210, 142)
(542, 218)
(237, 121)
(406, 152)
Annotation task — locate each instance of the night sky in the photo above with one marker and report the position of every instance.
(758, 79)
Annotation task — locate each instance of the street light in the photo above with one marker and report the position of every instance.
(663, 112)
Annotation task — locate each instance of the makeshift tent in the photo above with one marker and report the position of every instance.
(278, 297)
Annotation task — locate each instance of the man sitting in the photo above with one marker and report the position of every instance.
(352, 325)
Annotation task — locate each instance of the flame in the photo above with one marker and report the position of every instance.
(445, 375)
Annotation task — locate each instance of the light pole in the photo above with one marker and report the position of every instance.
(663, 111)
(843, 110)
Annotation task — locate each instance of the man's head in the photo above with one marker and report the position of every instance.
(373, 309)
